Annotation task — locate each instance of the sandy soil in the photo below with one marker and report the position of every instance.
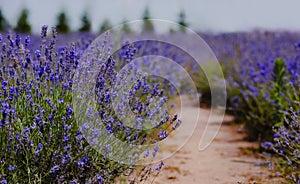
(224, 161)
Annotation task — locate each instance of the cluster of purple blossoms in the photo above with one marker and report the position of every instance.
(38, 130)
(286, 145)
(262, 70)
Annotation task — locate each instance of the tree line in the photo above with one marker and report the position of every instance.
(62, 23)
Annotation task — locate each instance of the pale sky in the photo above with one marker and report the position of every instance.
(203, 15)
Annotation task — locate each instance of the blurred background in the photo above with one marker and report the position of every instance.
(199, 15)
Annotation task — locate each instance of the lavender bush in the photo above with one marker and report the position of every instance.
(262, 70)
(286, 146)
(41, 141)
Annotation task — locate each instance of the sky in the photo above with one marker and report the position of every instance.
(202, 15)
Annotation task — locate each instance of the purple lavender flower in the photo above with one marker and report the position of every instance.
(4, 84)
(159, 166)
(75, 181)
(80, 163)
(156, 148)
(69, 110)
(162, 134)
(109, 128)
(11, 168)
(27, 41)
(55, 169)
(99, 179)
(267, 145)
(85, 159)
(146, 153)
(66, 159)
(39, 148)
(18, 40)
(44, 31)
(107, 149)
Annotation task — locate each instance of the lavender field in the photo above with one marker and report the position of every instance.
(41, 141)
(147, 101)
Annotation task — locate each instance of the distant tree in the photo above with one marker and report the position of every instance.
(22, 24)
(125, 27)
(182, 22)
(106, 25)
(62, 25)
(4, 26)
(85, 23)
(147, 26)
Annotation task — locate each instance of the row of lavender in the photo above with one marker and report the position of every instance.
(262, 71)
(39, 134)
(41, 142)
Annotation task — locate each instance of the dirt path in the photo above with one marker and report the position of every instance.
(222, 162)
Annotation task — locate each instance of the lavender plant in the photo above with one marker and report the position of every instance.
(262, 103)
(286, 146)
(262, 72)
(41, 141)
